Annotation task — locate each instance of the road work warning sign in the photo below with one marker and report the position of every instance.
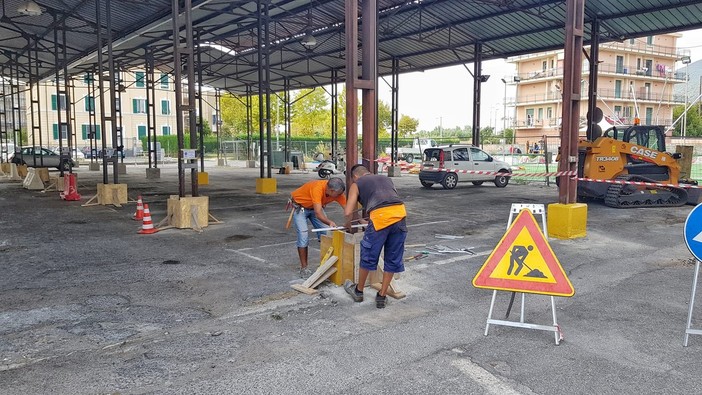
(524, 262)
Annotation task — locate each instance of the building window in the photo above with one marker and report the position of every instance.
(140, 81)
(541, 114)
(141, 131)
(88, 78)
(632, 41)
(530, 117)
(139, 106)
(549, 112)
(86, 132)
(649, 40)
(543, 66)
(165, 107)
(166, 130)
(649, 116)
(164, 81)
(64, 131)
(60, 102)
(89, 103)
(620, 64)
(618, 89)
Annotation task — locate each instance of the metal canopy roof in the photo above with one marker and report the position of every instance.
(421, 34)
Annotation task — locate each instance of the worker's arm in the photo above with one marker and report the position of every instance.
(319, 213)
(351, 204)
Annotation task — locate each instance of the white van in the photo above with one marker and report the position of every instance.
(449, 165)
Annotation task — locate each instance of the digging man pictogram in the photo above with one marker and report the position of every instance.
(517, 256)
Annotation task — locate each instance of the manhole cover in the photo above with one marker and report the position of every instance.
(171, 262)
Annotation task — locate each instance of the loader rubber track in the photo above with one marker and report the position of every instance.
(633, 196)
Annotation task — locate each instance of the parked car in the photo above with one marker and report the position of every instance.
(41, 157)
(449, 165)
(96, 153)
(77, 154)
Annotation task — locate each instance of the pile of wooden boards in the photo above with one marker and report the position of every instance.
(323, 272)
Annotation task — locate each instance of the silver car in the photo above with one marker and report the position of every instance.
(454, 163)
(41, 157)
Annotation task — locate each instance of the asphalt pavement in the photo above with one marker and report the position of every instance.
(88, 306)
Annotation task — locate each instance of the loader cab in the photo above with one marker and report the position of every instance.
(648, 136)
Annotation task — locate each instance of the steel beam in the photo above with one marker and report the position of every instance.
(572, 60)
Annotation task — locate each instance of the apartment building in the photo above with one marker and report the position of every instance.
(635, 80)
(131, 112)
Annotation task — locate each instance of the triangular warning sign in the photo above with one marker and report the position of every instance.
(524, 262)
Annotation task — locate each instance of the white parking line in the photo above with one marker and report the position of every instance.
(427, 223)
(487, 380)
(462, 257)
(255, 258)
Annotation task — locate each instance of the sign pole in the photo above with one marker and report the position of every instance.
(688, 330)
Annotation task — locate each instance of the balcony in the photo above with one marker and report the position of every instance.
(542, 98)
(660, 71)
(642, 95)
(641, 47)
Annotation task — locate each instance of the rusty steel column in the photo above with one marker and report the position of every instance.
(572, 72)
(477, 75)
(369, 82)
(351, 17)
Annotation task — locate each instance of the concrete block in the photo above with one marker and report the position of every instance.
(251, 164)
(94, 166)
(394, 171)
(567, 221)
(121, 168)
(188, 212)
(153, 173)
(32, 181)
(43, 173)
(266, 186)
(221, 162)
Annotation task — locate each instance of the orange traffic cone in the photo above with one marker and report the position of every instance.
(139, 215)
(147, 227)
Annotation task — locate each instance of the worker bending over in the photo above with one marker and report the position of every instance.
(386, 229)
(309, 201)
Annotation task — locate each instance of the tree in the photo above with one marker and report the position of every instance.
(384, 119)
(234, 115)
(311, 113)
(407, 126)
(694, 122)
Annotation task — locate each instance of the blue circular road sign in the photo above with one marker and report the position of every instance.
(693, 232)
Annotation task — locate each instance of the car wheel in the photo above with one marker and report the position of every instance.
(477, 182)
(501, 181)
(324, 173)
(409, 158)
(450, 181)
(426, 184)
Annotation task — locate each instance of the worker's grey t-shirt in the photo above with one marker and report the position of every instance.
(376, 191)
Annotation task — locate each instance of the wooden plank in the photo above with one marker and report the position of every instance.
(320, 271)
(303, 289)
(325, 276)
(311, 289)
(338, 244)
(392, 290)
(326, 256)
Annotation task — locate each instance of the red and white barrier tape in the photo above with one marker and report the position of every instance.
(641, 183)
(495, 173)
(570, 173)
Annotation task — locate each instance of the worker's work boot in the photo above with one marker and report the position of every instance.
(380, 301)
(351, 289)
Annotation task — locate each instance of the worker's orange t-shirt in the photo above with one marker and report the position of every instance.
(315, 192)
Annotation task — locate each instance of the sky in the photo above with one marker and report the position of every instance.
(443, 97)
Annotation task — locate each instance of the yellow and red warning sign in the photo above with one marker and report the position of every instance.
(523, 261)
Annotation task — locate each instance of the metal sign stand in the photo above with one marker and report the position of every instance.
(536, 209)
(688, 330)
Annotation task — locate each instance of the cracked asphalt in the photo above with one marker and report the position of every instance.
(88, 306)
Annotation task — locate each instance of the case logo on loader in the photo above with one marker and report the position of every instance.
(644, 152)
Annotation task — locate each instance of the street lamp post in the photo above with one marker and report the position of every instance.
(686, 61)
